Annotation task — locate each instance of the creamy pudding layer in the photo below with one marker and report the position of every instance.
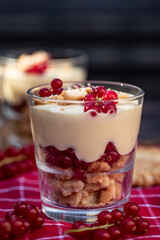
(16, 82)
(69, 126)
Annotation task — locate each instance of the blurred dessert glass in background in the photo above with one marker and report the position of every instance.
(23, 69)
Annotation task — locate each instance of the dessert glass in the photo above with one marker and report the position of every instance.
(74, 152)
(67, 64)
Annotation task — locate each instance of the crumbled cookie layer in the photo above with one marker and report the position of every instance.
(98, 188)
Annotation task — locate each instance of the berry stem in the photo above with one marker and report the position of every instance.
(89, 228)
(12, 159)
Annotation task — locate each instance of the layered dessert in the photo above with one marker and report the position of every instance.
(85, 138)
(28, 70)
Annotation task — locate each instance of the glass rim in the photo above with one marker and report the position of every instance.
(80, 55)
(122, 100)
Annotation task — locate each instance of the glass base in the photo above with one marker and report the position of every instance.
(71, 215)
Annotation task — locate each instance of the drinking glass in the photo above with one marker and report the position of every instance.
(85, 159)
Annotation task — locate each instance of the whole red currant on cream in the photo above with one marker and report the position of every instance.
(99, 91)
(44, 92)
(56, 83)
(110, 95)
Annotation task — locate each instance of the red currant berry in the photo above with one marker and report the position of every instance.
(59, 91)
(79, 225)
(70, 153)
(56, 83)
(27, 225)
(117, 215)
(51, 160)
(97, 109)
(101, 234)
(5, 237)
(2, 155)
(52, 150)
(96, 224)
(93, 113)
(31, 148)
(142, 226)
(54, 91)
(99, 91)
(10, 170)
(112, 157)
(22, 166)
(89, 97)
(79, 173)
(17, 227)
(109, 147)
(12, 151)
(44, 92)
(20, 208)
(31, 213)
(136, 218)
(108, 107)
(131, 209)
(38, 68)
(25, 150)
(110, 95)
(115, 233)
(30, 163)
(28, 150)
(10, 215)
(128, 225)
(105, 217)
(65, 162)
(76, 85)
(5, 227)
(81, 164)
(37, 223)
(88, 106)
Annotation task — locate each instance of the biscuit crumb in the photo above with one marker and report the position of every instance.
(68, 187)
(75, 94)
(108, 194)
(98, 167)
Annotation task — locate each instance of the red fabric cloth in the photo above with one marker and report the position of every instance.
(26, 188)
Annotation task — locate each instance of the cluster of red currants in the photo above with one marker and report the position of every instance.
(113, 225)
(56, 88)
(23, 219)
(101, 100)
(14, 161)
(67, 159)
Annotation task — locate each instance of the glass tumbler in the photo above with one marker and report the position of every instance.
(85, 158)
(25, 68)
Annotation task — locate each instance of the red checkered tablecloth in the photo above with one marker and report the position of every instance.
(26, 188)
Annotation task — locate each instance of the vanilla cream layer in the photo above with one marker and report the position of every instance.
(16, 83)
(69, 126)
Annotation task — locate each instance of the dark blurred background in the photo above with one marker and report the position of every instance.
(122, 39)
